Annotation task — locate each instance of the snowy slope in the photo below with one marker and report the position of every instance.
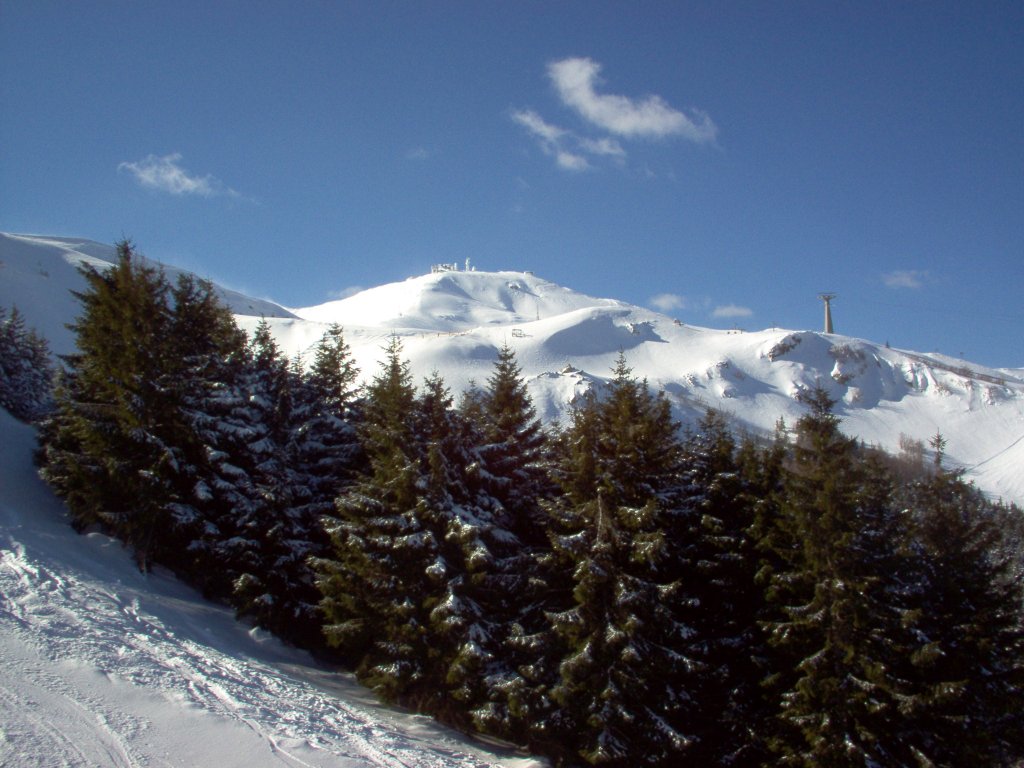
(455, 322)
(37, 274)
(103, 666)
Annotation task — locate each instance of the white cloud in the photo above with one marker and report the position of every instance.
(606, 147)
(731, 310)
(538, 126)
(417, 153)
(904, 278)
(576, 81)
(666, 302)
(571, 161)
(166, 175)
(553, 140)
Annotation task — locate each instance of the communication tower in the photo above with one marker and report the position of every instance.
(827, 298)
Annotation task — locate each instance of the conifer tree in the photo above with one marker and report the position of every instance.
(717, 557)
(835, 596)
(373, 584)
(122, 446)
(465, 640)
(276, 585)
(209, 352)
(512, 453)
(508, 479)
(26, 373)
(326, 445)
(110, 461)
(964, 662)
(622, 678)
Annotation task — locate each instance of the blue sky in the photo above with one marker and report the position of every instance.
(724, 162)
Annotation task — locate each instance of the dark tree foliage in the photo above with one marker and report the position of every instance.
(717, 557)
(374, 586)
(623, 687)
(614, 593)
(108, 449)
(963, 703)
(325, 444)
(512, 453)
(412, 553)
(26, 373)
(835, 599)
(508, 479)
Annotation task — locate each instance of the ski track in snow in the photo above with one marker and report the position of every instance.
(102, 666)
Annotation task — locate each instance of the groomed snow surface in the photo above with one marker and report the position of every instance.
(103, 666)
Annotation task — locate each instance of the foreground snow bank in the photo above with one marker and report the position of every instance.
(103, 666)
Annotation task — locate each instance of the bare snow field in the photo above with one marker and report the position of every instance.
(101, 665)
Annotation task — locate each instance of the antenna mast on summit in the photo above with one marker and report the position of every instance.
(827, 298)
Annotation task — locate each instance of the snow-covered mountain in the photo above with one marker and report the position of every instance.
(455, 321)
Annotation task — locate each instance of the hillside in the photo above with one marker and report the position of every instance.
(455, 322)
(103, 665)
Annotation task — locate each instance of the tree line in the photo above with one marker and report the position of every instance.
(617, 591)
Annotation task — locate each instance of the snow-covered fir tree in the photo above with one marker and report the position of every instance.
(26, 373)
(837, 614)
(623, 681)
(714, 545)
(374, 583)
(963, 662)
(509, 476)
(108, 448)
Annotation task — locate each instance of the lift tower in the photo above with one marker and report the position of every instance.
(827, 298)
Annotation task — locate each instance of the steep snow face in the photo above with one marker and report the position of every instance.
(455, 322)
(38, 274)
(103, 666)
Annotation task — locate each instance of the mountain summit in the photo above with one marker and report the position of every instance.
(455, 321)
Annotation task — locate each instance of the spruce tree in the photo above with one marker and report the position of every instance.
(373, 583)
(209, 352)
(512, 453)
(325, 443)
(716, 556)
(622, 680)
(276, 585)
(123, 446)
(509, 481)
(465, 636)
(835, 596)
(109, 460)
(26, 373)
(964, 660)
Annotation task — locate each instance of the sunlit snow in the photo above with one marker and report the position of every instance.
(103, 666)
(455, 321)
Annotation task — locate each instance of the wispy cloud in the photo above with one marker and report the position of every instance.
(618, 117)
(731, 310)
(538, 126)
(905, 278)
(666, 302)
(607, 147)
(554, 141)
(166, 174)
(576, 81)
